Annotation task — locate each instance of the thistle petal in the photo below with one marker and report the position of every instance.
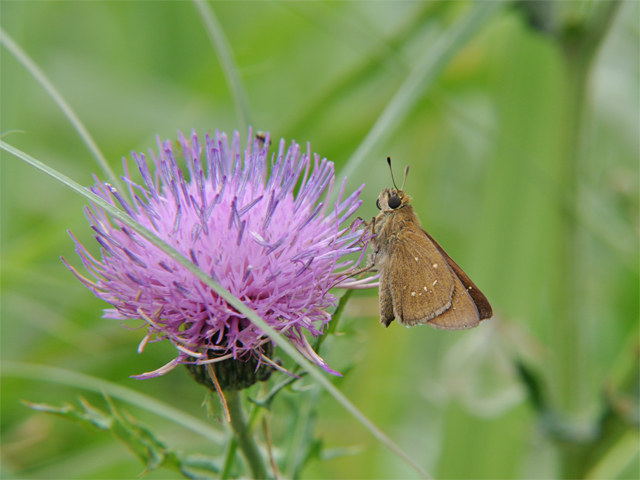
(269, 246)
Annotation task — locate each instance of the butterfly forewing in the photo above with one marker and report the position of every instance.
(422, 281)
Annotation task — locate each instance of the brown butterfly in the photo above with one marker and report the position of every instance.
(419, 282)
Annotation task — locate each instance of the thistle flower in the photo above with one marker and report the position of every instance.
(276, 247)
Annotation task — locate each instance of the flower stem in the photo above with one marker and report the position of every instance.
(242, 431)
(229, 456)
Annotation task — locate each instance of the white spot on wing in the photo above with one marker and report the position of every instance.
(434, 283)
(435, 265)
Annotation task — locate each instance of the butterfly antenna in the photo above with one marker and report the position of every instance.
(391, 170)
(406, 171)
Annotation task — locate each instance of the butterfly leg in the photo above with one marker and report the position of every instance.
(342, 278)
(368, 228)
(355, 223)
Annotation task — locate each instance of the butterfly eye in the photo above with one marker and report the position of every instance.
(394, 201)
(378, 204)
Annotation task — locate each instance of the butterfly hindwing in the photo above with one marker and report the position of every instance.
(482, 304)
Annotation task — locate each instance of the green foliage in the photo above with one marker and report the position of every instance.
(544, 221)
(138, 438)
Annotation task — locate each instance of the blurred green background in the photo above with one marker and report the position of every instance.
(524, 153)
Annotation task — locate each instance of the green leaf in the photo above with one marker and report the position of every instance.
(87, 382)
(198, 466)
(265, 402)
(138, 438)
(91, 420)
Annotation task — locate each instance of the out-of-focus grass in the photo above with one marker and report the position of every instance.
(485, 147)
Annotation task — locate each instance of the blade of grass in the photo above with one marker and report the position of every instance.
(229, 67)
(619, 456)
(42, 79)
(88, 382)
(350, 31)
(236, 303)
(348, 82)
(420, 80)
(335, 319)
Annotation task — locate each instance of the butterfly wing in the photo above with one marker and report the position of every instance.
(482, 304)
(463, 312)
(421, 281)
(428, 286)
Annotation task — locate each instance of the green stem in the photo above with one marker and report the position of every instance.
(579, 45)
(230, 453)
(245, 440)
(229, 456)
(568, 337)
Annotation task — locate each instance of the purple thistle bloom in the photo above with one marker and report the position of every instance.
(275, 247)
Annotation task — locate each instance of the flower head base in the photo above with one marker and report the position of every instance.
(262, 233)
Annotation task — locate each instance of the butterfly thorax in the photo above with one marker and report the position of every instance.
(390, 222)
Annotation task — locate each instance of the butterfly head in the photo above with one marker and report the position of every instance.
(391, 199)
